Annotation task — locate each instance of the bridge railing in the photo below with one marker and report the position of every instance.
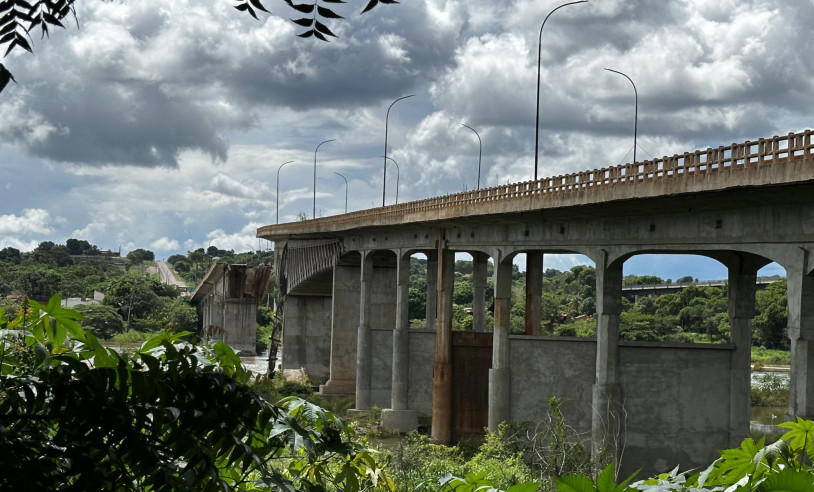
(763, 152)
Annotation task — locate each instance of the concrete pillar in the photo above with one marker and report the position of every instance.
(607, 426)
(344, 329)
(442, 369)
(800, 291)
(398, 416)
(500, 402)
(364, 344)
(479, 261)
(534, 291)
(432, 289)
(742, 278)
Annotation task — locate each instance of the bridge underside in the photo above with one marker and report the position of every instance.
(655, 404)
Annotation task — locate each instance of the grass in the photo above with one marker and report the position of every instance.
(762, 357)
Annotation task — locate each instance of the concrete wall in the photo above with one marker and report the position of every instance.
(545, 367)
(240, 320)
(676, 398)
(307, 334)
(422, 357)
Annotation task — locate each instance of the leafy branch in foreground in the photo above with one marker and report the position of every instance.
(172, 416)
(783, 466)
(19, 18)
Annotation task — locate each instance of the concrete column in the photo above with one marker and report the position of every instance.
(432, 289)
(800, 291)
(607, 426)
(363, 336)
(534, 291)
(442, 369)
(500, 402)
(742, 278)
(479, 261)
(344, 329)
(398, 416)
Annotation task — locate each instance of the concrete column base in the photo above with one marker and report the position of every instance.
(500, 397)
(338, 388)
(401, 420)
(607, 426)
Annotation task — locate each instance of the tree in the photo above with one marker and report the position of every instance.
(103, 321)
(19, 18)
(172, 416)
(10, 255)
(139, 255)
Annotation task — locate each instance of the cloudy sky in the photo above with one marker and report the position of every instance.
(163, 124)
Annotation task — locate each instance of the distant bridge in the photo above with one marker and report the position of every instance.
(673, 287)
(345, 282)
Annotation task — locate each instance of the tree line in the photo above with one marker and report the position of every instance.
(694, 314)
(134, 297)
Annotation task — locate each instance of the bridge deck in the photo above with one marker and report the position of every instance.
(777, 160)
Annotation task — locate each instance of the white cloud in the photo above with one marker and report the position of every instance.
(32, 221)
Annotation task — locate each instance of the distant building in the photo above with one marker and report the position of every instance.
(228, 296)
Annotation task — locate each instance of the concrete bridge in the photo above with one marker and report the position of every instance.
(345, 280)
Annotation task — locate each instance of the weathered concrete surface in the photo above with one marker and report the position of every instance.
(676, 403)
(307, 334)
(229, 295)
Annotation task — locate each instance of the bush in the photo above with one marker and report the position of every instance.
(770, 390)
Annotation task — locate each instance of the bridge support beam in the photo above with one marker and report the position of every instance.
(364, 342)
(534, 292)
(398, 416)
(607, 424)
(800, 284)
(500, 401)
(442, 369)
(742, 278)
(344, 330)
(479, 261)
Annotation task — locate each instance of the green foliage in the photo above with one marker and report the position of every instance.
(103, 321)
(771, 318)
(171, 416)
(770, 390)
(761, 356)
(783, 466)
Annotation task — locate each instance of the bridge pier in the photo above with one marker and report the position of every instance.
(399, 416)
(479, 261)
(607, 422)
(800, 285)
(442, 368)
(742, 277)
(344, 330)
(364, 343)
(534, 292)
(500, 401)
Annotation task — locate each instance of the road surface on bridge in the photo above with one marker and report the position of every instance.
(168, 275)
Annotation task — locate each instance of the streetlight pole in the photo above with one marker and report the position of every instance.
(636, 110)
(277, 195)
(398, 174)
(315, 174)
(346, 190)
(480, 150)
(539, 58)
(384, 166)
